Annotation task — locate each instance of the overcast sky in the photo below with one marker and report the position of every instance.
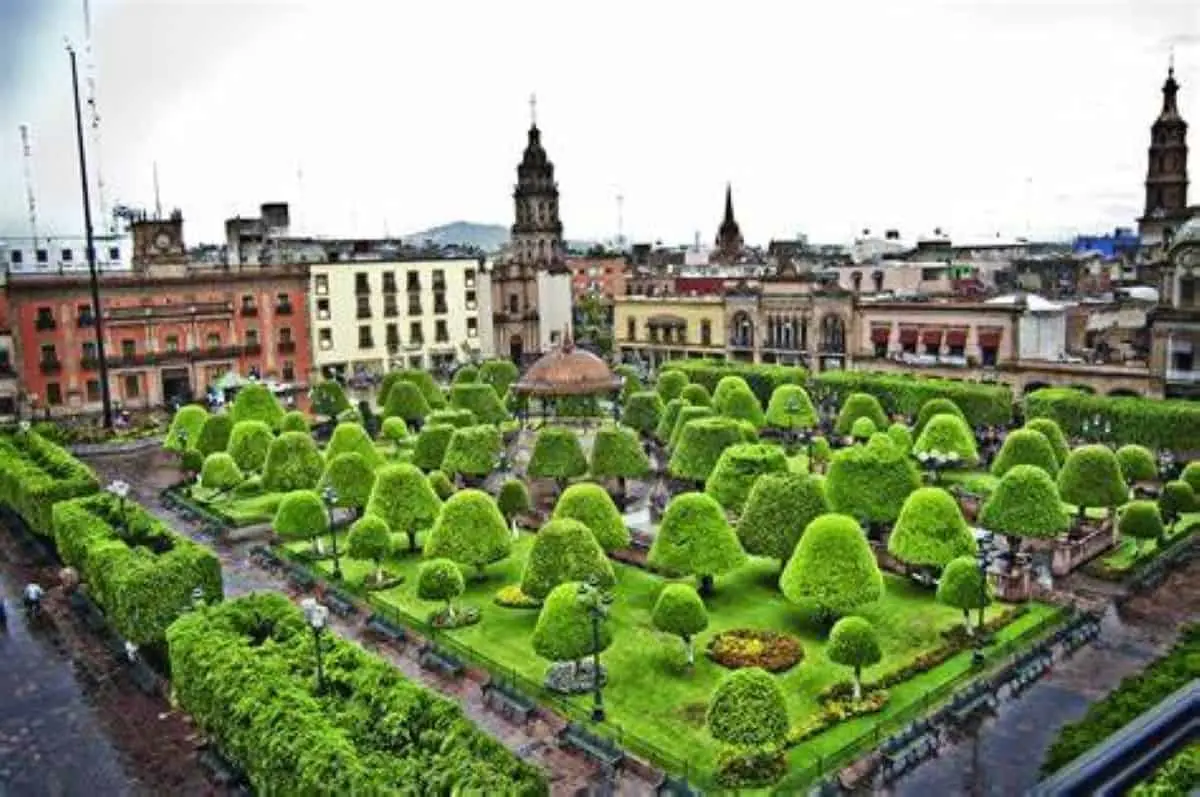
(978, 117)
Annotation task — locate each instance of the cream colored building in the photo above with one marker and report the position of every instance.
(654, 330)
(370, 316)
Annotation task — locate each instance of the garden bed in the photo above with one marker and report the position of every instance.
(1132, 554)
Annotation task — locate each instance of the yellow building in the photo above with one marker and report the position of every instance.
(660, 328)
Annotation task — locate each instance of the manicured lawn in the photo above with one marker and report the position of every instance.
(1131, 552)
(650, 693)
(240, 510)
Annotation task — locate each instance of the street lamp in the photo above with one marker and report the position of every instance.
(1097, 429)
(330, 496)
(935, 461)
(983, 558)
(121, 490)
(1166, 466)
(198, 598)
(597, 602)
(317, 617)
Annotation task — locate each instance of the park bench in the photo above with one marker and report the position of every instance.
(382, 627)
(339, 604)
(978, 697)
(508, 702)
(897, 763)
(673, 786)
(434, 660)
(924, 578)
(596, 747)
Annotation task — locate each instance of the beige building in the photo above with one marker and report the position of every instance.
(1175, 324)
(371, 316)
(653, 330)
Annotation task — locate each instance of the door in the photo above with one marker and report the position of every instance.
(516, 349)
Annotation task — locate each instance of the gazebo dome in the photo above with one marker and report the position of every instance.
(568, 371)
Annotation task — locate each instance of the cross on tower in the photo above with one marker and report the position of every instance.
(533, 110)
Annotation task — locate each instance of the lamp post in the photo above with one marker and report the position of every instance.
(330, 497)
(121, 490)
(935, 461)
(984, 559)
(1166, 466)
(317, 617)
(597, 602)
(198, 598)
(1097, 429)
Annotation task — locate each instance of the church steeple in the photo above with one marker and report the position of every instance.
(536, 231)
(729, 235)
(1166, 173)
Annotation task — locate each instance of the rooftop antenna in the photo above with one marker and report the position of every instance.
(30, 198)
(533, 110)
(1171, 61)
(89, 65)
(620, 221)
(157, 197)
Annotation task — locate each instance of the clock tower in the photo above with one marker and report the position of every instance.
(158, 243)
(1166, 175)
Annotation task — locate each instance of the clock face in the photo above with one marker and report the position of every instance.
(162, 241)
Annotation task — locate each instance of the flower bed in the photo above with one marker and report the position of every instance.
(511, 597)
(751, 647)
(834, 711)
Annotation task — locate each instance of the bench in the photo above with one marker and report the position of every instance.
(339, 604)
(593, 746)
(897, 763)
(434, 660)
(972, 701)
(508, 702)
(381, 626)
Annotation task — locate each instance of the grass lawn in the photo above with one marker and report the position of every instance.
(1131, 552)
(650, 694)
(240, 510)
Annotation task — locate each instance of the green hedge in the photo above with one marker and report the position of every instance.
(982, 404)
(762, 378)
(35, 473)
(245, 672)
(135, 566)
(1160, 424)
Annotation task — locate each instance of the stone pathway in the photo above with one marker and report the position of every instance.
(569, 773)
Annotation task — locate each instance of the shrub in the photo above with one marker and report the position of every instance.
(137, 568)
(473, 451)
(214, 434)
(457, 418)
(220, 472)
(631, 382)
(470, 531)
(733, 398)
(564, 550)
(301, 515)
(750, 647)
(686, 415)
(819, 450)
(431, 445)
(351, 415)
(1173, 425)
(249, 443)
(694, 538)
(482, 400)
(780, 507)
(862, 429)
(328, 399)
(860, 405)
(701, 443)
(243, 671)
(564, 627)
(931, 530)
(511, 597)
(762, 378)
(983, 404)
(351, 477)
(557, 454)
(1026, 446)
(934, 407)
(405, 400)
(748, 709)
(1177, 497)
(617, 454)
(643, 412)
(791, 408)
(500, 374)
(294, 421)
(670, 384)
(189, 420)
(591, 505)
(370, 538)
(1024, 504)
(513, 499)
(948, 434)
(466, 374)
(352, 438)
(1191, 475)
(1091, 477)
(963, 587)
(255, 402)
(422, 379)
(833, 571)
(293, 463)
(696, 395)
(394, 429)
(739, 468)
(666, 424)
(871, 482)
(853, 643)
(679, 611)
(1054, 435)
(440, 580)
(404, 499)
(441, 484)
(1140, 520)
(1137, 464)
(900, 436)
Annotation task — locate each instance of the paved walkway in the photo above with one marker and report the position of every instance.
(569, 773)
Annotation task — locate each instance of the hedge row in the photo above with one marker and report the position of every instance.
(245, 671)
(762, 378)
(35, 473)
(1168, 424)
(136, 567)
(982, 404)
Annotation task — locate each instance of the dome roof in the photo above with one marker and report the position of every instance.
(568, 371)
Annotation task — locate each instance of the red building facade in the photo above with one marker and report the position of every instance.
(601, 276)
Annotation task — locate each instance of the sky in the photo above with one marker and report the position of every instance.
(1023, 117)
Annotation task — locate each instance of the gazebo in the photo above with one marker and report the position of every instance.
(567, 372)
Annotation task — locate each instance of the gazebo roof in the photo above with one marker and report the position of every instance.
(568, 371)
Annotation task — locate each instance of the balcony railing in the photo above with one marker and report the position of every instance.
(43, 324)
(1181, 376)
(249, 311)
(218, 352)
(283, 309)
(741, 343)
(286, 347)
(85, 321)
(253, 349)
(51, 366)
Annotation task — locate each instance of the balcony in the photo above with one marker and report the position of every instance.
(414, 309)
(738, 342)
(362, 313)
(44, 324)
(253, 349)
(286, 347)
(283, 309)
(1183, 377)
(439, 285)
(85, 321)
(249, 311)
(501, 317)
(217, 353)
(160, 312)
(50, 366)
(530, 315)
(414, 344)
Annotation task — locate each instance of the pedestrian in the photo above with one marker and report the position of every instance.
(33, 599)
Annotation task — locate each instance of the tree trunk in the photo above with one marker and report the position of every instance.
(318, 546)
(1014, 547)
(621, 490)
(449, 612)
(967, 622)
(691, 651)
(857, 685)
(706, 585)
(412, 540)
(378, 572)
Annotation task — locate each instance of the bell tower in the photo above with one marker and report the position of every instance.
(729, 235)
(1166, 175)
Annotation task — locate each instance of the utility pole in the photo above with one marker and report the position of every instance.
(97, 315)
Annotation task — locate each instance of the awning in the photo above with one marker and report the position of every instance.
(956, 337)
(931, 337)
(908, 335)
(989, 338)
(881, 334)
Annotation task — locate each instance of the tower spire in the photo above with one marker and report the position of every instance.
(533, 110)
(728, 203)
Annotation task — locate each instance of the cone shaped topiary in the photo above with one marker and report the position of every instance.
(778, 510)
(220, 472)
(1141, 520)
(1024, 504)
(862, 429)
(643, 411)
(480, 399)
(1191, 475)
(694, 538)
(214, 434)
(403, 498)
(466, 374)
(617, 453)
(680, 611)
(249, 443)
(1137, 464)
(564, 629)
(833, 571)
(737, 470)
(394, 429)
(405, 400)
(431, 445)
(696, 395)
(791, 408)
(328, 399)
(934, 407)
(256, 402)
(473, 451)
(1091, 477)
(666, 424)
(500, 374)
(948, 434)
(441, 484)
(564, 550)
(701, 443)
(591, 505)
(733, 398)
(1025, 446)
(458, 418)
(963, 586)
(513, 499)
(293, 463)
(871, 482)
(1176, 498)
(860, 405)
(557, 454)
(748, 709)
(351, 478)
(931, 530)
(440, 580)
(686, 415)
(900, 436)
(294, 421)
(370, 539)
(1054, 435)
(301, 515)
(185, 428)
(670, 384)
(470, 531)
(352, 437)
(432, 394)
(854, 644)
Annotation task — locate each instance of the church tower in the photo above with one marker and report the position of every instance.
(729, 235)
(1166, 176)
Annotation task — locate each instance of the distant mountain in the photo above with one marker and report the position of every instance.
(488, 237)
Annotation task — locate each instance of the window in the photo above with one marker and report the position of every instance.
(987, 356)
(93, 390)
(285, 335)
(322, 309)
(84, 313)
(514, 303)
(417, 362)
(172, 344)
(251, 337)
(43, 256)
(392, 335)
(440, 333)
(283, 303)
(325, 338)
(53, 394)
(1187, 291)
(213, 340)
(414, 304)
(45, 318)
(881, 348)
(956, 351)
(932, 274)
(49, 353)
(89, 351)
(322, 285)
(415, 336)
(705, 333)
(15, 256)
(248, 305)
(133, 386)
(364, 307)
(413, 280)
(362, 282)
(129, 347)
(469, 277)
(67, 254)
(364, 337)
(554, 336)
(472, 327)
(631, 329)
(471, 300)
(389, 282)
(439, 303)
(439, 280)
(390, 310)
(288, 372)
(114, 253)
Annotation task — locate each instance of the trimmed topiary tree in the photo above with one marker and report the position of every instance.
(466, 374)
(431, 445)
(934, 407)
(833, 571)
(748, 710)
(564, 627)
(900, 436)
(185, 428)
(557, 454)
(790, 408)
(1176, 498)
(670, 384)
(666, 424)
(500, 374)
(394, 429)
(441, 484)
(680, 611)
(780, 507)
(871, 482)
(473, 452)
(643, 411)
(294, 421)
(564, 550)
(352, 478)
(694, 538)
(1091, 477)
(737, 470)
(301, 515)
(293, 463)
(1141, 520)
(592, 506)
(433, 394)
(964, 587)
(1191, 475)
(854, 644)
(948, 434)
(328, 399)
(1137, 464)
(405, 400)
(1024, 504)
(1025, 446)
(482, 400)
(403, 497)
(617, 453)
(696, 395)
(440, 580)
(456, 417)
(733, 398)
(860, 405)
(631, 383)
(513, 500)
(214, 434)
(256, 402)
(819, 453)
(931, 530)
(862, 429)
(351, 437)
(470, 531)
(370, 539)
(220, 472)
(1054, 435)
(249, 443)
(686, 415)
(701, 443)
